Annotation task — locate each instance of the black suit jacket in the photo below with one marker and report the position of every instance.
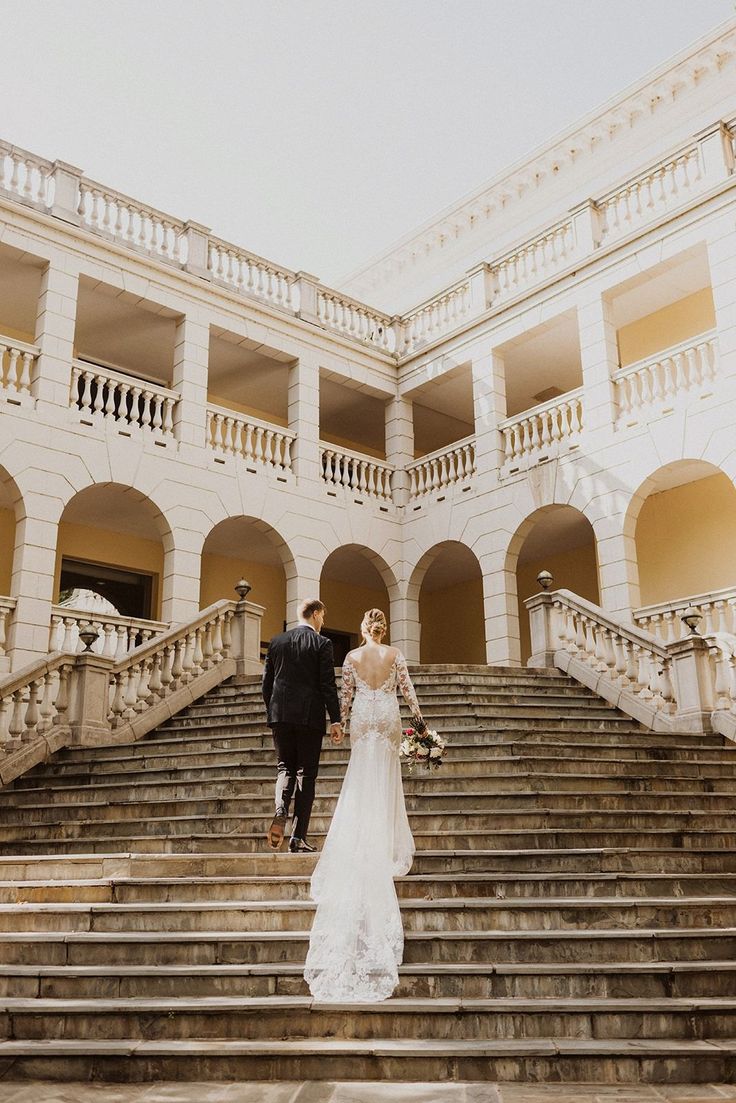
(299, 679)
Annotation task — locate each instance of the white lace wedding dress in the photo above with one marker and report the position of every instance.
(357, 939)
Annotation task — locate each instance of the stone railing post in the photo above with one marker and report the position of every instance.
(245, 631)
(66, 192)
(586, 228)
(716, 153)
(481, 288)
(306, 288)
(198, 245)
(396, 326)
(90, 700)
(542, 630)
(693, 682)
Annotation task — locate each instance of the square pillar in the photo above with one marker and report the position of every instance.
(304, 417)
(56, 319)
(400, 446)
(191, 362)
(599, 358)
(33, 581)
(722, 262)
(489, 405)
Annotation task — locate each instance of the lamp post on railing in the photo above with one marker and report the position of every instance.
(246, 632)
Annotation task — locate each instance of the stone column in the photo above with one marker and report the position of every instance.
(33, 581)
(599, 357)
(618, 571)
(304, 417)
(404, 618)
(191, 363)
(56, 319)
(180, 584)
(400, 446)
(489, 404)
(500, 610)
(246, 638)
(722, 261)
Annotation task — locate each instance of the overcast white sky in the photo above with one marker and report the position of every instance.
(316, 132)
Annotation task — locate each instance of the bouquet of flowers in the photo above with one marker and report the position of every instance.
(422, 745)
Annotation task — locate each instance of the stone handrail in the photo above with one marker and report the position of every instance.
(357, 473)
(436, 317)
(254, 440)
(250, 274)
(106, 395)
(687, 685)
(116, 635)
(543, 430)
(16, 365)
(129, 222)
(667, 184)
(657, 380)
(75, 699)
(717, 609)
(349, 316)
(443, 468)
(7, 608)
(534, 260)
(25, 176)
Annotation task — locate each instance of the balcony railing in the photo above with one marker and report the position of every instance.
(443, 469)
(534, 261)
(437, 317)
(543, 431)
(7, 608)
(131, 223)
(25, 176)
(355, 319)
(717, 608)
(658, 380)
(101, 394)
(255, 441)
(116, 636)
(357, 473)
(16, 366)
(250, 274)
(655, 191)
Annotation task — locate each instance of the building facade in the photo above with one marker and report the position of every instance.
(176, 412)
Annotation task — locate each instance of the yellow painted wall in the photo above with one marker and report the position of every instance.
(249, 411)
(352, 446)
(221, 572)
(346, 605)
(575, 569)
(686, 540)
(115, 549)
(674, 323)
(453, 624)
(7, 547)
(17, 334)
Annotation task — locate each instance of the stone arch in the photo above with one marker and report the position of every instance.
(250, 547)
(447, 584)
(680, 525)
(11, 512)
(107, 531)
(354, 578)
(559, 539)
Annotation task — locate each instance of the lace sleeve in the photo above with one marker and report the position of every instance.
(407, 689)
(348, 689)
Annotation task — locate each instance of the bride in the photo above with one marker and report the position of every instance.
(357, 939)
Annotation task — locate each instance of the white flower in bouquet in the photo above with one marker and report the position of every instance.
(436, 752)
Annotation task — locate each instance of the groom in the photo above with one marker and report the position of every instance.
(298, 686)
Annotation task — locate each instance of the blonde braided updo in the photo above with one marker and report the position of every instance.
(373, 625)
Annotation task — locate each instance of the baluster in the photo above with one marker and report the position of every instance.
(620, 664)
(177, 666)
(217, 648)
(166, 677)
(131, 692)
(707, 610)
(723, 678)
(157, 405)
(526, 437)
(454, 461)
(732, 681)
(580, 635)
(85, 399)
(576, 422)
(590, 641)
(46, 707)
(267, 448)
(368, 478)
(508, 448)
(62, 693)
(24, 380)
(435, 482)
(443, 470)
(207, 648)
(287, 462)
(227, 638)
(198, 652)
(70, 641)
(16, 725)
(536, 440)
(544, 417)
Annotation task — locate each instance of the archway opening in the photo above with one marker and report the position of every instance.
(451, 614)
(351, 582)
(558, 539)
(111, 543)
(246, 546)
(8, 501)
(685, 532)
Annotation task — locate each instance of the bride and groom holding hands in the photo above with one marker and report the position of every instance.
(357, 939)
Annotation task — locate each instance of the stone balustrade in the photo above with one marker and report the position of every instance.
(534, 261)
(16, 366)
(128, 222)
(654, 192)
(354, 319)
(116, 636)
(257, 442)
(717, 609)
(443, 469)
(101, 394)
(251, 275)
(25, 176)
(33, 701)
(436, 317)
(543, 431)
(357, 473)
(7, 608)
(656, 382)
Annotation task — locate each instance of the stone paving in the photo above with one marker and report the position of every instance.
(42, 1092)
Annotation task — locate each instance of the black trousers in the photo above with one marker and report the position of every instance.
(297, 753)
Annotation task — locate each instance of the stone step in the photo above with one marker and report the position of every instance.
(540, 1060)
(287, 887)
(470, 915)
(296, 1017)
(581, 980)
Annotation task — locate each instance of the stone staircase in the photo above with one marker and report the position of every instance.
(570, 916)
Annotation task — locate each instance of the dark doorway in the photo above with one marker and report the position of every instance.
(130, 592)
(342, 642)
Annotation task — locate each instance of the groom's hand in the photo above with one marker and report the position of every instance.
(337, 733)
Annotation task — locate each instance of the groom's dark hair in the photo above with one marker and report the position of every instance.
(307, 609)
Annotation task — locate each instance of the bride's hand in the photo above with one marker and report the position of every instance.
(337, 733)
